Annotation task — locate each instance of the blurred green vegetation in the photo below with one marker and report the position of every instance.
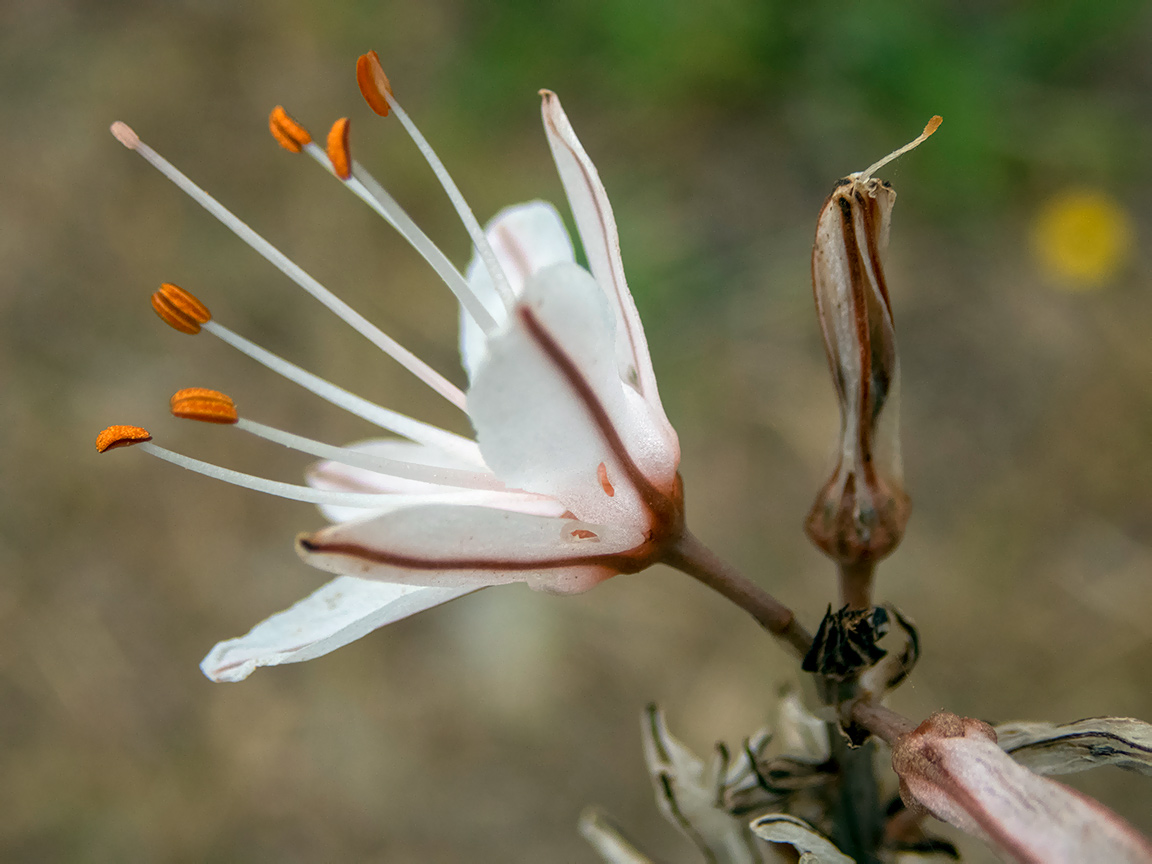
(477, 732)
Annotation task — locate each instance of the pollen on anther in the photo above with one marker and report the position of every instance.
(179, 309)
(605, 484)
(207, 406)
(338, 151)
(288, 133)
(121, 436)
(373, 82)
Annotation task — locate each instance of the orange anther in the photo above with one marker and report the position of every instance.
(602, 475)
(121, 436)
(288, 133)
(583, 534)
(338, 152)
(179, 309)
(207, 406)
(373, 82)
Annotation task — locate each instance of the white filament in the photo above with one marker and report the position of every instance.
(281, 261)
(272, 487)
(385, 418)
(455, 477)
(483, 249)
(367, 189)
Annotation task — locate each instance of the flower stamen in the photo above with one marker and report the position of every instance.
(121, 436)
(367, 189)
(207, 406)
(179, 309)
(212, 406)
(380, 89)
(338, 153)
(285, 265)
(124, 436)
(385, 418)
(288, 133)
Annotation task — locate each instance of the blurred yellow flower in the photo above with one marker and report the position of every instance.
(1082, 238)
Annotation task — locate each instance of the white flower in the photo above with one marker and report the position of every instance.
(572, 477)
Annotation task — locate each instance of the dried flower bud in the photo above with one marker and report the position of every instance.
(860, 513)
(953, 767)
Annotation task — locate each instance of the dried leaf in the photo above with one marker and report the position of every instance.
(802, 734)
(893, 668)
(603, 835)
(813, 846)
(1047, 748)
(691, 797)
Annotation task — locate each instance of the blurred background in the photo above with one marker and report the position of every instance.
(477, 732)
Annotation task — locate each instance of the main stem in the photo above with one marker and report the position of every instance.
(691, 556)
(856, 584)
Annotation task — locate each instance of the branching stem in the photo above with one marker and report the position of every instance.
(691, 556)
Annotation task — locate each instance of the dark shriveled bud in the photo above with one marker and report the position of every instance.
(860, 513)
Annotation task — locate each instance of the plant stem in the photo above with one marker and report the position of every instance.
(856, 584)
(884, 723)
(691, 556)
(857, 817)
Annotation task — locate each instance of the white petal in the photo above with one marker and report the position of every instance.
(338, 613)
(597, 227)
(549, 408)
(457, 546)
(526, 238)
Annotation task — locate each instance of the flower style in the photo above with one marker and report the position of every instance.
(572, 477)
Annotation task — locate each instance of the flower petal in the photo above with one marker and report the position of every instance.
(338, 613)
(553, 417)
(597, 227)
(447, 545)
(526, 238)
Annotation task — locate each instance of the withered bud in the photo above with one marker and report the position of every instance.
(954, 768)
(860, 513)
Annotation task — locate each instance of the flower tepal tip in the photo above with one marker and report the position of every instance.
(121, 436)
(207, 406)
(374, 84)
(179, 309)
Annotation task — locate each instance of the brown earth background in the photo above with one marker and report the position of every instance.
(477, 732)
